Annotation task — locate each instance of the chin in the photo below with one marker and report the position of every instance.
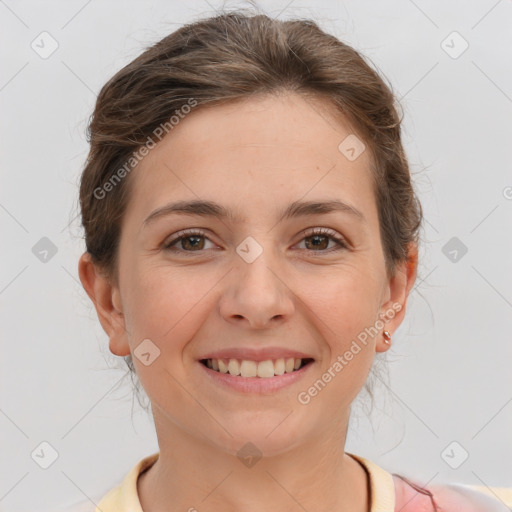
(264, 438)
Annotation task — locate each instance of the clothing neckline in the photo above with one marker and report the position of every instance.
(382, 487)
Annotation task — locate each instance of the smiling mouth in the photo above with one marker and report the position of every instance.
(263, 369)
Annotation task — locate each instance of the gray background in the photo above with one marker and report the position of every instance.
(449, 367)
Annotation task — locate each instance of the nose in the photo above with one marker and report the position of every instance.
(257, 294)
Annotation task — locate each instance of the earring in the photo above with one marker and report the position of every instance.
(387, 337)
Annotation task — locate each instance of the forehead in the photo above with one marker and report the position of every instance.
(254, 152)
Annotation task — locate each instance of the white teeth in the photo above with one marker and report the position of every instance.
(262, 369)
(223, 368)
(233, 367)
(279, 366)
(248, 369)
(265, 369)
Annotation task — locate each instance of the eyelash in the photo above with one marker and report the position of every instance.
(342, 245)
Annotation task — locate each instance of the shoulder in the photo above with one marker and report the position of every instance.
(447, 497)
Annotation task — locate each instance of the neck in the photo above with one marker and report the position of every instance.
(191, 473)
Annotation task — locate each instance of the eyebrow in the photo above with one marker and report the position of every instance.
(212, 209)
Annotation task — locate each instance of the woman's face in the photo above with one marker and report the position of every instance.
(255, 284)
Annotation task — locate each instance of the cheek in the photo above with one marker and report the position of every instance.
(164, 304)
(347, 302)
(167, 303)
(345, 310)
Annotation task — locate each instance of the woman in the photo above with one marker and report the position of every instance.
(252, 238)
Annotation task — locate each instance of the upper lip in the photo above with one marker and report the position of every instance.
(255, 354)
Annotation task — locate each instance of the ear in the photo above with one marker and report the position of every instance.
(397, 292)
(107, 301)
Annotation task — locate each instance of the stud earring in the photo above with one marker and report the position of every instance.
(387, 337)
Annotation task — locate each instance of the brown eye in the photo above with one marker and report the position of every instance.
(191, 241)
(318, 239)
(317, 242)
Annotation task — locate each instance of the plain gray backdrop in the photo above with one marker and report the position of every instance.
(449, 393)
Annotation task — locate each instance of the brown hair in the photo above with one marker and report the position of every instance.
(230, 57)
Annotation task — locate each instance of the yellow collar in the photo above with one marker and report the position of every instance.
(125, 497)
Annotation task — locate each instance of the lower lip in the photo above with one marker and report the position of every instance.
(261, 385)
